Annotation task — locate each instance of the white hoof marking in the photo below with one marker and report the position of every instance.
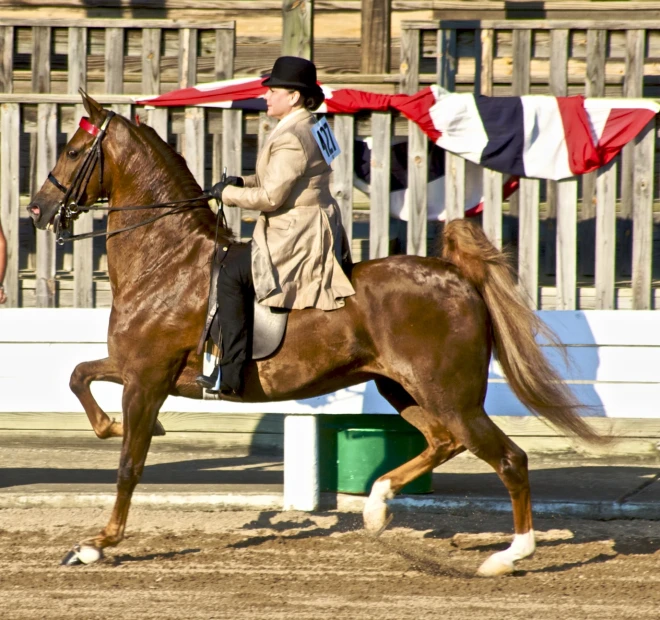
(376, 515)
(503, 562)
(87, 554)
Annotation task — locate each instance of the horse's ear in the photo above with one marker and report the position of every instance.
(94, 109)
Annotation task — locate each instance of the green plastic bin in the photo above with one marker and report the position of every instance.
(355, 450)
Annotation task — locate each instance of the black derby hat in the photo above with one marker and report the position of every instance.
(296, 73)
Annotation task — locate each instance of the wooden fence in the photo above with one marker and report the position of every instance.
(597, 58)
(42, 66)
(507, 57)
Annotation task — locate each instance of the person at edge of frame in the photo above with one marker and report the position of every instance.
(3, 265)
(293, 259)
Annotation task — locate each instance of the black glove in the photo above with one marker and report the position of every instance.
(217, 189)
(237, 181)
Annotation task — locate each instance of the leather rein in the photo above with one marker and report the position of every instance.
(70, 207)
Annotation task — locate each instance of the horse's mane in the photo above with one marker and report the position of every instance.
(170, 167)
(173, 160)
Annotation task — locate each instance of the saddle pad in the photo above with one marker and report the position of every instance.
(268, 331)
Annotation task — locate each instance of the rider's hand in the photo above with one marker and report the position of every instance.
(217, 189)
(237, 181)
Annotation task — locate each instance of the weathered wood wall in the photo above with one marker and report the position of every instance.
(43, 63)
(610, 207)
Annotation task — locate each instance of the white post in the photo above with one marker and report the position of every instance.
(301, 463)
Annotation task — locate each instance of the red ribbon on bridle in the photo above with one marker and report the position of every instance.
(70, 204)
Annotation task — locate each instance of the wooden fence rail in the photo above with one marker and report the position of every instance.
(33, 125)
(554, 55)
(102, 55)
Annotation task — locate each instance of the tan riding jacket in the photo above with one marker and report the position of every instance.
(297, 238)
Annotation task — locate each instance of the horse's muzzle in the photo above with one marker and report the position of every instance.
(40, 219)
(34, 211)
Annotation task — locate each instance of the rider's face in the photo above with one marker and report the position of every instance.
(281, 101)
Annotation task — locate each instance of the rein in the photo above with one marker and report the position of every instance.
(70, 209)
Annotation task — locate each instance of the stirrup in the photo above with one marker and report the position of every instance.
(209, 382)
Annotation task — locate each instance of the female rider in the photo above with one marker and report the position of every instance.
(292, 260)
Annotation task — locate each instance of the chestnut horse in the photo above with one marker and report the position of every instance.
(421, 328)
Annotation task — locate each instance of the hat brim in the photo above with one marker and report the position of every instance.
(274, 82)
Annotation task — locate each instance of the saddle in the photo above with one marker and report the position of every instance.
(266, 325)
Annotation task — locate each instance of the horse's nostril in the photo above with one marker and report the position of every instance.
(34, 210)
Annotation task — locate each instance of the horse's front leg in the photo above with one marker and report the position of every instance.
(141, 402)
(81, 378)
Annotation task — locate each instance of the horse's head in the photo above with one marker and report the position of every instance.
(76, 181)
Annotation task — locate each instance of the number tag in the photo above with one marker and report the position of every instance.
(326, 140)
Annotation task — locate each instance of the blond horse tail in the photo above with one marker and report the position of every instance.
(515, 327)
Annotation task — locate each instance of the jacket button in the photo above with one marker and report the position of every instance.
(225, 249)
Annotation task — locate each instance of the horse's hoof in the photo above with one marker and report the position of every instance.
(376, 519)
(82, 554)
(495, 566)
(375, 533)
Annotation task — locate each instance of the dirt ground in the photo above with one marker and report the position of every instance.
(268, 565)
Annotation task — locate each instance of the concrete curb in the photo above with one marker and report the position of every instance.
(596, 510)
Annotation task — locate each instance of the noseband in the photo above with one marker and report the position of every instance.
(69, 206)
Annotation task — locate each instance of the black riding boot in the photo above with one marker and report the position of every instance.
(234, 294)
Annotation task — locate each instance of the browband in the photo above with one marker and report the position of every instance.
(88, 127)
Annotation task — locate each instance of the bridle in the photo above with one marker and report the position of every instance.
(70, 208)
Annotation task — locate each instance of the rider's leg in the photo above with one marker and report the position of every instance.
(234, 286)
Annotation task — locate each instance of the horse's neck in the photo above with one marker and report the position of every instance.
(175, 241)
(150, 173)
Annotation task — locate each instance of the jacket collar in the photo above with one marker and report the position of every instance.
(290, 118)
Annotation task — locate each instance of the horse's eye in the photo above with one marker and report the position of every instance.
(72, 153)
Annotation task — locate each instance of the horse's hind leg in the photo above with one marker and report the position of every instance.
(484, 439)
(81, 378)
(441, 446)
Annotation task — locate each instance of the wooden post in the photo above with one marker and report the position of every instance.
(114, 61)
(633, 82)
(228, 147)
(528, 252)
(46, 290)
(9, 166)
(187, 70)
(492, 180)
(151, 38)
(231, 150)
(642, 245)
(594, 87)
(375, 37)
(559, 88)
(418, 166)
(342, 174)
(151, 52)
(566, 192)
(83, 251)
(520, 83)
(379, 213)
(605, 266)
(298, 28)
(194, 132)
(454, 164)
(6, 59)
(10, 196)
(302, 489)
(43, 148)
